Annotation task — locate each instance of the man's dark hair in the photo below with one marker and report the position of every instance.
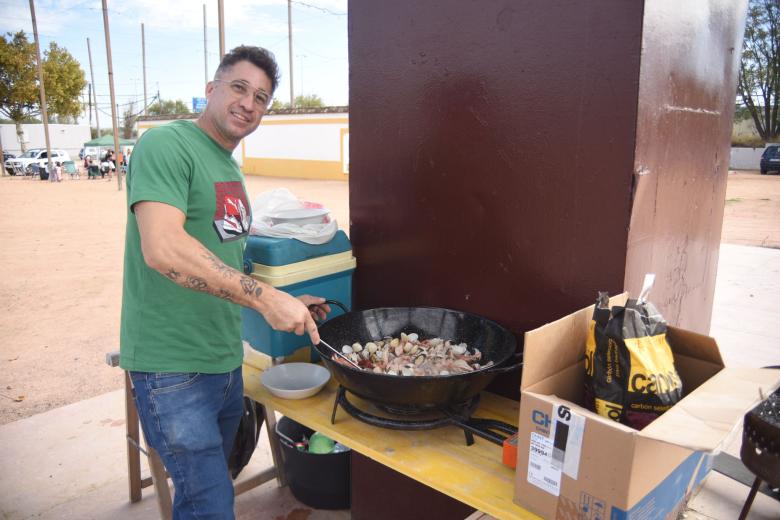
(257, 56)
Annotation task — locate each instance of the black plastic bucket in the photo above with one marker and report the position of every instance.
(320, 481)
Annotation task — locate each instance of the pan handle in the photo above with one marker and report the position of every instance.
(336, 303)
(518, 363)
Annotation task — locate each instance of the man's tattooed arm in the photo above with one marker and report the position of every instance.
(249, 286)
(175, 254)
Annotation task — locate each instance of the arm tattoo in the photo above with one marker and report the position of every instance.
(224, 294)
(249, 286)
(199, 284)
(218, 265)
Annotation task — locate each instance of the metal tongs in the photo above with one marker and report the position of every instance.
(345, 358)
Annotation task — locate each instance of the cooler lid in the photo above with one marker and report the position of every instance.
(283, 251)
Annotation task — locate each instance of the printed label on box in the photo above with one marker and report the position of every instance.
(591, 508)
(541, 472)
(568, 429)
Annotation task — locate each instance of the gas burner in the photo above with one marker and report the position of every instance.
(463, 409)
(415, 419)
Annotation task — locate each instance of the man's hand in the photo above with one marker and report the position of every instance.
(317, 307)
(284, 312)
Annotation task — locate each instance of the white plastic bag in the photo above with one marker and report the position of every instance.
(269, 208)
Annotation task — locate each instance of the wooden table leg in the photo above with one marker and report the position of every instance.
(132, 439)
(160, 480)
(273, 441)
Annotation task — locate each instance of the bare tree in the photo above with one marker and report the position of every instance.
(759, 71)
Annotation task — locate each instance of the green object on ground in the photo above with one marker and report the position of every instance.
(320, 444)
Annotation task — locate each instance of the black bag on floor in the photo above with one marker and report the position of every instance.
(246, 437)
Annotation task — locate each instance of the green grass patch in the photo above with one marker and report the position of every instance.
(732, 201)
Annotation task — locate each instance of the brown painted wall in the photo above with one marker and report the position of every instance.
(686, 104)
(492, 145)
(511, 159)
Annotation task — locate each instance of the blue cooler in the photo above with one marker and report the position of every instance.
(297, 268)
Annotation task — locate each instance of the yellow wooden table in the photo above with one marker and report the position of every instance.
(437, 458)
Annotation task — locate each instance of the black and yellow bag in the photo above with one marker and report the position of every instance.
(629, 367)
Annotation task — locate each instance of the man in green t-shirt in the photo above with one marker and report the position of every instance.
(187, 222)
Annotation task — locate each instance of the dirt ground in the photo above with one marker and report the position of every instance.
(60, 289)
(61, 285)
(751, 216)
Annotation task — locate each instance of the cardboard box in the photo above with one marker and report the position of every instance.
(573, 463)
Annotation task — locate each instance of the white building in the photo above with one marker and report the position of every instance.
(70, 138)
(309, 143)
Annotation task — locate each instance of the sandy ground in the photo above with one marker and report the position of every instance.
(60, 289)
(752, 213)
(61, 285)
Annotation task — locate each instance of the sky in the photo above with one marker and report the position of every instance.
(173, 33)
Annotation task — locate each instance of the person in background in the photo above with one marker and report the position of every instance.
(111, 161)
(188, 218)
(107, 166)
(55, 175)
(123, 162)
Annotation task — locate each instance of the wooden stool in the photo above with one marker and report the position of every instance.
(159, 477)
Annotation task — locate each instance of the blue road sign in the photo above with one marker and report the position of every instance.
(198, 104)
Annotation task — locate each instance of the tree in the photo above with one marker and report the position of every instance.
(128, 121)
(103, 131)
(168, 107)
(64, 82)
(759, 72)
(310, 101)
(19, 90)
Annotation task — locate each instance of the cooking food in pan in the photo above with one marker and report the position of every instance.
(408, 355)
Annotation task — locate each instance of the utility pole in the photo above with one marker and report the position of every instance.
(290, 51)
(143, 58)
(94, 90)
(114, 107)
(1, 155)
(221, 18)
(44, 113)
(89, 102)
(205, 47)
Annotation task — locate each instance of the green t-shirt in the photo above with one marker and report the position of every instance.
(166, 327)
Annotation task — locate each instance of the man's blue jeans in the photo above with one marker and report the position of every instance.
(191, 419)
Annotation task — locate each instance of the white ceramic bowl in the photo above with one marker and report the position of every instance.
(295, 380)
(299, 217)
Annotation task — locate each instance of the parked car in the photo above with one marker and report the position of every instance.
(6, 156)
(35, 156)
(770, 159)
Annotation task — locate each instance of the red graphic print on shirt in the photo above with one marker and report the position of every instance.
(233, 213)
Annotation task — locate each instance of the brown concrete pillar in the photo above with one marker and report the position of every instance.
(686, 100)
(513, 158)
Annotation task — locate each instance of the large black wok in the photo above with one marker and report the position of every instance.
(495, 342)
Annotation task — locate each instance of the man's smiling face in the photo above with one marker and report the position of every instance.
(229, 117)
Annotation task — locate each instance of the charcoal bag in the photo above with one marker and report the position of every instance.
(629, 367)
